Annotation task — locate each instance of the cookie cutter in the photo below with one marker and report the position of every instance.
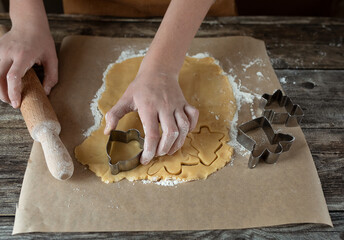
(293, 115)
(125, 137)
(283, 141)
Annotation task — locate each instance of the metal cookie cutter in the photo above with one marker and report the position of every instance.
(291, 118)
(125, 137)
(283, 141)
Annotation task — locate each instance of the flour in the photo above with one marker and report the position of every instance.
(257, 61)
(199, 55)
(241, 98)
(94, 105)
(260, 76)
(167, 182)
(283, 80)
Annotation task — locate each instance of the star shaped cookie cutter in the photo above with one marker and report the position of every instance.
(283, 141)
(293, 115)
(125, 137)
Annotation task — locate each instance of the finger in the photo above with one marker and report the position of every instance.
(4, 67)
(14, 80)
(152, 136)
(50, 73)
(169, 132)
(183, 127)
(122, 107)
(192, 114)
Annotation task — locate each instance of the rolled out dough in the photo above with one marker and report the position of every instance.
(205, 149)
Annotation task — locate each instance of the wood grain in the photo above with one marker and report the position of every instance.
(308, 56)
(293, 43)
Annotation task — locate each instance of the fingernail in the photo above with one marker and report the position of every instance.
(47, 90)
(106, 129)
(15, 104)
(146, 157)
(145, 162)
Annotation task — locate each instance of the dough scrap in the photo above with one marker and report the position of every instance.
(205, 149)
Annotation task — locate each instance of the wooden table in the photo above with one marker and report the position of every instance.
(308, 57)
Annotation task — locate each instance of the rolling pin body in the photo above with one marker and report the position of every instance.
(44, 126)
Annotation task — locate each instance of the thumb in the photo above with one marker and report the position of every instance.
(122, 107)
(14, 80)
(50, 73)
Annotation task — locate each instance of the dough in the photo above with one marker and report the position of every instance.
(205, 149)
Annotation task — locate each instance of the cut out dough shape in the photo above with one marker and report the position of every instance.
(171, 165)
(204, 86)
(207, 143)
(188, 149)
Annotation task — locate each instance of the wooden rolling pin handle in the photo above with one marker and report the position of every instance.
(58, 160)
(44, 126)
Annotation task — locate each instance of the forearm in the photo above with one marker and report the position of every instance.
(175, 34)
(28, 13)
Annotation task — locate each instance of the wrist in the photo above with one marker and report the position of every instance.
(155, 72)
(28, 15)
(160, 65)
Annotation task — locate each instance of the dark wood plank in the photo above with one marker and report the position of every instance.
(295, 43)
(10, 117)
(301, 231)
(9, 194)
(330, 170)
(318, 45)
(320, 94)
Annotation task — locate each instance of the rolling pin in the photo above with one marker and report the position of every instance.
(43, 125)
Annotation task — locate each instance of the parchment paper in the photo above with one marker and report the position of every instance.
(232, 198)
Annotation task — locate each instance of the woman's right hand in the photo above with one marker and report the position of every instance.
(20, 49)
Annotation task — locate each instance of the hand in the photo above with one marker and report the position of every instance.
(20, 49)
(158, 98)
